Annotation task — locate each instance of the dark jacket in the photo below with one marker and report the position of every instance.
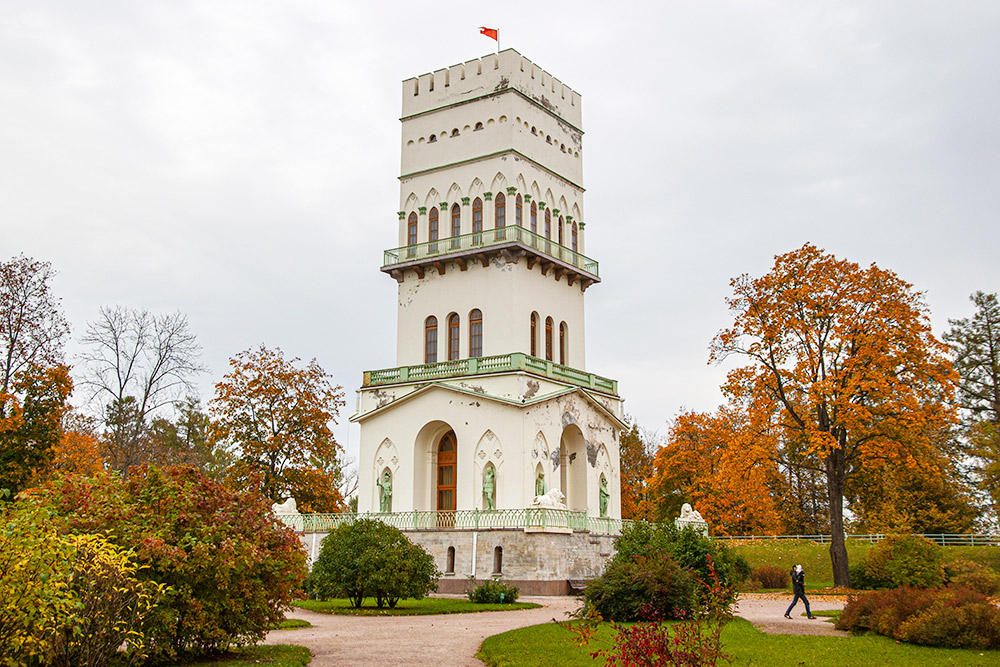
(798, 582)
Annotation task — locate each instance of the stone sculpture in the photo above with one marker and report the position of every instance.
(691, 518)
(385, 493)
(554, 499)
(540, 486)
(605, 496)
(489, 488)
(287, 507)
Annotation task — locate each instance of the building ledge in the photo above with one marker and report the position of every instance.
(503, 363)
(513, 242)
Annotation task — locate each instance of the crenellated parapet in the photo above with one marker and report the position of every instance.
(491, 75)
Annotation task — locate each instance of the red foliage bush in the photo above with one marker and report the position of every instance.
(232, 570)
(954, 617)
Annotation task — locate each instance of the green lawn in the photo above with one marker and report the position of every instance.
(550, 644)
(273, 656)
(291, 624)
(408, 607)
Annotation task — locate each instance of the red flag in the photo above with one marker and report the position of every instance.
(492, 33)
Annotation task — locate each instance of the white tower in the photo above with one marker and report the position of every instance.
(490, 400)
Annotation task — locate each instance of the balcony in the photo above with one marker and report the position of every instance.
(513, 242)
(503, 363)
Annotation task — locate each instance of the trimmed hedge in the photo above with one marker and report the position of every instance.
(493, 592)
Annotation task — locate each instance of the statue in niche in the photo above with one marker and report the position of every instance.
(541, 488)
(489, 488)
(385, 493)
(605, 496)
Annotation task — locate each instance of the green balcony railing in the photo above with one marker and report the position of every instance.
(510, 519)
(454, 245)
(515, 361)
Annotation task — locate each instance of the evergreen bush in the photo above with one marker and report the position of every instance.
(653, 584)
(494, 592)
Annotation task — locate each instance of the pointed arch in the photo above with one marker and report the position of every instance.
(432, 198)
(499, 183)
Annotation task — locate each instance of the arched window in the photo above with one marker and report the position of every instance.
(476, 333)
(534, 220)
(518, 203)
(447, 461)
(453, 339)
(534, 335)
(575, 240)
(562, 343)
(431, 340)
(449, 566)
(500, 207)
(478, 126)
(432, 229)
(498, 560)
(411, 234)
(548, 339)
(454, 132)
(559, 230)
(432, 139)
(548, 223)
(456, 223)
(477, 221)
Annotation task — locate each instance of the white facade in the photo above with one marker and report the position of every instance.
(470, 298)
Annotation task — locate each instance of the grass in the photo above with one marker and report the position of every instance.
(281, 655)
(292, 624)
(409, 607)
(549, 644)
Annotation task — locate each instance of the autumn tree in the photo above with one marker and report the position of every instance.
(273, 417)
(136, 365)
(186, 439)
(79, 448)
(709, 461)
(842, 360)
(636, 469)
(975, 342)
(34, 382)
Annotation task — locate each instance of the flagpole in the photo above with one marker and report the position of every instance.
(498, 41)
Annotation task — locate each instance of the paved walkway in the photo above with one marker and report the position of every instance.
(453, 639)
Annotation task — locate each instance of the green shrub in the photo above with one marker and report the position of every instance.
(368, 558)
(771, 576)
(972, 575)
(904, 560)
(653, 584)
(859, 577)
(493, 592)
(953, 617)
(231, 569)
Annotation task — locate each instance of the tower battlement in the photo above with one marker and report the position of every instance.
(490, 74)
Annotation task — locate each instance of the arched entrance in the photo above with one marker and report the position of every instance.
(573, 468)
(447, 460)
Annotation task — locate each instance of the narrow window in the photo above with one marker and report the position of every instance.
(453, 339)
(498, 560)
(456, 224)
(432, 229)
(449, 566)
(431, 340)
(562, 343)
(548, 223)
(518, 203)
(500, 206)
(477, 221)
(534, 218)
(575, 240)
(476, 333)
(548, 339)
(559, 230)
(411, 234)
(534, 334)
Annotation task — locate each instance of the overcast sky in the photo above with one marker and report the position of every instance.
(238, 161)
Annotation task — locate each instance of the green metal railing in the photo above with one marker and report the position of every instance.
(516, 361)
(486, 238)
(942, 539)
(516, 519)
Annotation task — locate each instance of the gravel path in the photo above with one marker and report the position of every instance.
(453, 639)
(438, 641)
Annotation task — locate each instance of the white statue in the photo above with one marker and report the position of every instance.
(554, 499)
(287, 507)
(688, 513)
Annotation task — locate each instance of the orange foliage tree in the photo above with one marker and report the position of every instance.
(274, 419)
(710, 461)
(842, 361)
(636, 469)
(79, 449)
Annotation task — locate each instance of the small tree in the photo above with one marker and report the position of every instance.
(368, 558)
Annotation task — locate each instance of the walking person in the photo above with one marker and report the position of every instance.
(799, 588)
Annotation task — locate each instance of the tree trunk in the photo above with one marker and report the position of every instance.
(838, 547)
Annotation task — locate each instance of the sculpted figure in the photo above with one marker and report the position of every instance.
(554, 499)
(605, 496)
(489, 488)
(688, 513)
(385, 493)
(540, 486)
(287, 507)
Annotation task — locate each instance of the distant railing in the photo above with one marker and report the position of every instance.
(516, 361)
(942, 539)
(540, 518)
(486, 238)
